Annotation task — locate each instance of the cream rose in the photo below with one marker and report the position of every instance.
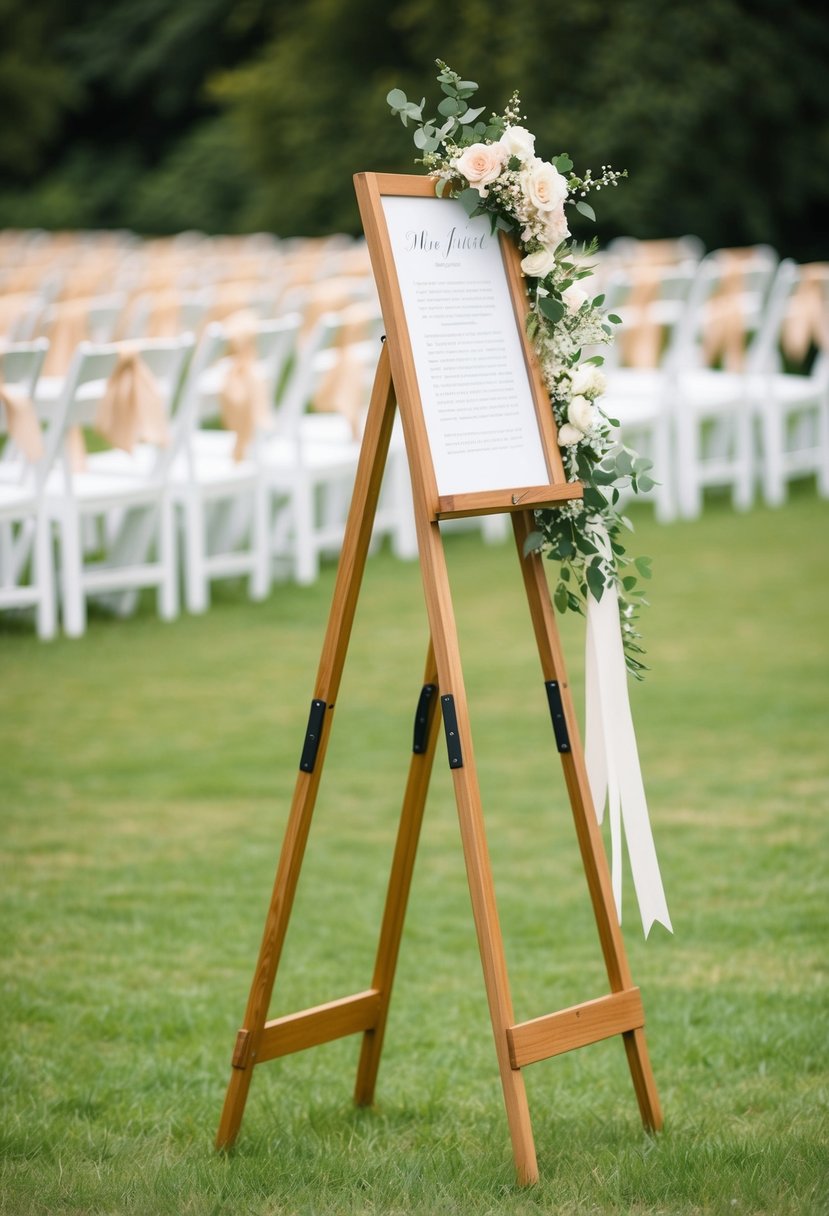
(589, 381)
(555, 227)
(544, 186)
(574, 296)
(480, 164)
(582, 413)
(538, 265)
(569, 434)
(519, 142)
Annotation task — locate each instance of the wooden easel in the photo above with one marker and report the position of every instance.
(517, 1044)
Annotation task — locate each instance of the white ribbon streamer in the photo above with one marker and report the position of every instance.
(612, 761)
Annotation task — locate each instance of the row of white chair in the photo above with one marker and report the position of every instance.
(264, 500)
(720, 407)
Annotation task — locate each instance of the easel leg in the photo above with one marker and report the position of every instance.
(587, 828)
(349, 577)
(476, 853)
(411, 818)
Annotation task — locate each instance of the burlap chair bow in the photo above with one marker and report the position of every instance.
(640, 338)
(132, 407)
(242, 397)
(21, 422)
(724, 322)
(342, 389)
(806, 323)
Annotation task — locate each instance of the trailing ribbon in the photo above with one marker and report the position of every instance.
(243, 400)
(612, 761)
(132, 407)
(22, 422)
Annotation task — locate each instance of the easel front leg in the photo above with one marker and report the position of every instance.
(400, 879)
(341, 618)
(589, 836)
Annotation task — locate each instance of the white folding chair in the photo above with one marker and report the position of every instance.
(126, 492)
(791, 408)
(642, 366)
(224, 500)
(26, 564)
(310, 459)
(713, 425)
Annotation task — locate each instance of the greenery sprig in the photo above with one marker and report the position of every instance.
(489, 164)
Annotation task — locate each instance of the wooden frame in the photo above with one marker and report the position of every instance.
(371, 189)
(517, 1044)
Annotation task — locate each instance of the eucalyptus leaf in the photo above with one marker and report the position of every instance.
(586, 209)
(397, 99)
(595, 580)
(551, 308)
(470, 115)
(533, 542)
(624, 462)
(470, 200)
(563, 163)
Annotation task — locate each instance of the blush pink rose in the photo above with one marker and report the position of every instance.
(544, 186)
(480, 164)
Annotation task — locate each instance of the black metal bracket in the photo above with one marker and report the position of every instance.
(557, 714)
(423, 717)
(450, 725)
(312, 737)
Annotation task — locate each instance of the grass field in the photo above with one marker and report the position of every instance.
(147, 771)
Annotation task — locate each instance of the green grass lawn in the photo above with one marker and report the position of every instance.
(147, 772)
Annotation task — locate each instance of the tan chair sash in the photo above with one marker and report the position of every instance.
(13, 307)
(132, 407)
(724, 321)
(236, 296)
(640, 338)
(341, 389)
(22, 422)
(70, 327)
(242, 397)
(806, 323)
(163, 313)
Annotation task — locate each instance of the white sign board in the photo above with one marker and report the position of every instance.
(472, 377)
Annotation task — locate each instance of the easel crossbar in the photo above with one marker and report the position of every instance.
(320, 1024)
(578, 1026)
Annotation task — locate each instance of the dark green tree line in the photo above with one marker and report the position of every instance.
(228, 115)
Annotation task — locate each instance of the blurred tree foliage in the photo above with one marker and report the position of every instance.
(237, 114)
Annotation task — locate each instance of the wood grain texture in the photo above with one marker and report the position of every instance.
(575, 1027)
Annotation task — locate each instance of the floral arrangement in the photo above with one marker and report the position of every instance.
(491, 167)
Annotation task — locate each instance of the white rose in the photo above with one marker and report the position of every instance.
(582, 413)
(569, 434)
(589, 381)
(538, 265)
(544, 186)
(555, 227)
(574, 297)
(518, 142)
(480, 164)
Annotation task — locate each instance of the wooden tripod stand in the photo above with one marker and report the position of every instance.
(517, 1044)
